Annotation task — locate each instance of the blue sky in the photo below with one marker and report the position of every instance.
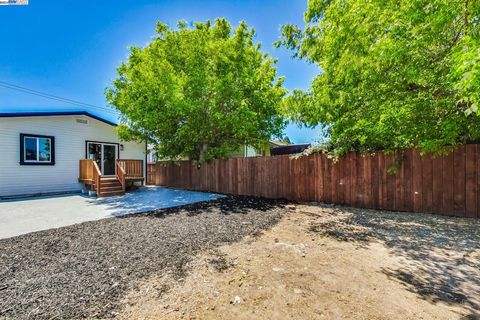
(71, 48)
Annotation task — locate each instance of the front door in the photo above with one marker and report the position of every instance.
(105, 154)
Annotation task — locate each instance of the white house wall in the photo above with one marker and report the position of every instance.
(70, 137)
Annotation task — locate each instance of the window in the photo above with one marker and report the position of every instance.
(37, 150)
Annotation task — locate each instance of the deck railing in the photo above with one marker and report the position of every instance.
(97, 175)
(133, 168)
(120, 174)
(90, 173)
(86, 169)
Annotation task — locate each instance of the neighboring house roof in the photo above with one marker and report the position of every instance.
(278, 143)
(55, 113)
(289, 149)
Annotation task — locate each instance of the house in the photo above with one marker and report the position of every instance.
(51, 152)
(289, 149)
(248, 151)
(151, 154)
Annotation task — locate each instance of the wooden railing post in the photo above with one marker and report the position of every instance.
(120, 173)
(97, 174)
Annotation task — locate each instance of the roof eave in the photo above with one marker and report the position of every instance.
(55, 113)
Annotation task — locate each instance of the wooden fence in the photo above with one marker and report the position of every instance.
(448, 185)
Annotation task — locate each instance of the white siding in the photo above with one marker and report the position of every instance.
(70, 138)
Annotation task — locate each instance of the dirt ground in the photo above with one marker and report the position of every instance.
(322, 262)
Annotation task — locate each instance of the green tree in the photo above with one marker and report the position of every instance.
(396, 73)
(199, 91)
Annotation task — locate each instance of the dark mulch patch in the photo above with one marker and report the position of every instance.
(84, 271)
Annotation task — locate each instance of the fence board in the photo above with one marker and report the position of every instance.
(366, 182)
(321, 177)
(359, 181)
(399, 186)
(408, 181)
(478, 180)
(240, 176)
(470, 181)
(427, 184)
(353, 179)
(382, 181)
(347, 169)
(459, 181)
(437, 184)
(448, 171)
(334, 183)
(327, 182)
(300, 178)
(417, 175)
(304, 175)
(375, 182)
(341, 182)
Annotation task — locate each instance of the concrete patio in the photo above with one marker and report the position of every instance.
(21, 216)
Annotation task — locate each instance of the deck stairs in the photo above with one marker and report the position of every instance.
(110, 186)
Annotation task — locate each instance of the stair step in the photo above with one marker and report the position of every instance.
(107, 189)
(111, 193)
(116, 183)
(109, 180)
(109, 186)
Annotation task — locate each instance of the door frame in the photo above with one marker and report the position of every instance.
(117, 157)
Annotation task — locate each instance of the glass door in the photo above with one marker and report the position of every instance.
(109, 158)
(105, 155)
(94, 151)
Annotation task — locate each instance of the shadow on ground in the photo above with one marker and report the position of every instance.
(440, 255)
(151, 198)
(227, 206)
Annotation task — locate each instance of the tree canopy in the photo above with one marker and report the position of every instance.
(396, 74)
(199, 91)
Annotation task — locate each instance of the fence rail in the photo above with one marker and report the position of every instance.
(448, 185)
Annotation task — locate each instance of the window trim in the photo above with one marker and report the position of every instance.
(24, 162)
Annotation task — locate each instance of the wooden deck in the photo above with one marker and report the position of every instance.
(126, 171)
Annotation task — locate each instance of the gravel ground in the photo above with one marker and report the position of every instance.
(84, 271)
